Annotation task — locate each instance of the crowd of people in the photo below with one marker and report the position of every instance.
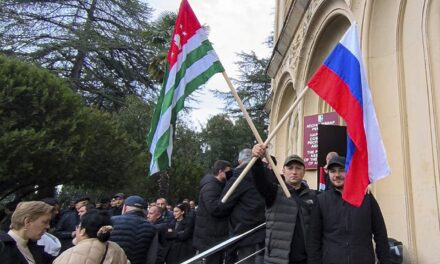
(308, 227)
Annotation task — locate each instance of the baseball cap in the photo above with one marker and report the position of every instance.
(293, 158)
(82, 199)
(119, 195)
(136, 201)
(338, 160)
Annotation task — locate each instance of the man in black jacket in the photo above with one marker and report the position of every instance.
(133, 233)
(155, 218)
(287, 219)
(247, 212)
(341, 232)
(211, 225)
(65, 229)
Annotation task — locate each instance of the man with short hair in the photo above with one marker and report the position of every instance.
(211, 225)
(134, 233)
(154, 216)
(287, 219)
(167, 215)
(343, 233)
(65, 230)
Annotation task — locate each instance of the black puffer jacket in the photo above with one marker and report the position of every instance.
(9, 253)
(342, 233)
(248, 208)
(211, 219)
(134, 235)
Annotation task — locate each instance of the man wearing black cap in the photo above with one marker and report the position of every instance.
(134, 233)
(287, 219)
(341, 232)
(118, 202)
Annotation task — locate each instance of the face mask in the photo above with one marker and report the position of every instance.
(228, 174)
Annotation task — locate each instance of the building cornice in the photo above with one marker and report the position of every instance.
(296, 12)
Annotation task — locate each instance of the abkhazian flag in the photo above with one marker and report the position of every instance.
(192, 61)
(341, 82)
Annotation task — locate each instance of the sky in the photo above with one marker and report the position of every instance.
(234, 26)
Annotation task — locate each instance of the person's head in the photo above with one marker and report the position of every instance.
(336, 171)
(134, 203)
(294, 170)
(104, 203)
(10, 207)
(162, 202)
(154, 214)
(192, 204)
(221, 169)
(179, 212)
(113, 202)
(72, 204)
(52, 202)
(32, 219)
(82, 210)
(329, 156)
(169, 207)
(119, 199)
(80, 202)
(94, 224)
(266, 162)
(244, 156)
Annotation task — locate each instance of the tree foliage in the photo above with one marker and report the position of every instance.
(253, 87)
(102, 46)
(223, 139)
(48, 137)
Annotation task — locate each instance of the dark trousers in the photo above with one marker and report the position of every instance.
(216, 258)
(245, 251)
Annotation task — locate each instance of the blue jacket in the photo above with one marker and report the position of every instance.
(134, 234)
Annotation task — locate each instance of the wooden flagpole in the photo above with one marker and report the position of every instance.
(269, 138)
(256, 134)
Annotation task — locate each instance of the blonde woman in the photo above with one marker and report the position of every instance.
(28, 223)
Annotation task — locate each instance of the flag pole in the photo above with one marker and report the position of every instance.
(255, 131)
(269, 138)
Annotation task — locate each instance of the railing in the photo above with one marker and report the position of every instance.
(224, 245)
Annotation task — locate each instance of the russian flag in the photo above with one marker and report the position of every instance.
(342, 83)
(322, 182)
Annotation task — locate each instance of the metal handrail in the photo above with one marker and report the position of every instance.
(223, 245)
(251, 255)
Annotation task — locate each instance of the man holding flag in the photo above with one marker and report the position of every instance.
(346, 218)
(192, 61)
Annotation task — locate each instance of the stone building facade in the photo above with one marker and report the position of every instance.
(399, 41)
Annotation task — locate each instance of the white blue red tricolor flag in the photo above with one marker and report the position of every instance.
(322, 182)
(342, 83)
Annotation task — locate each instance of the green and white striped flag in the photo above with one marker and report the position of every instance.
(192, 61)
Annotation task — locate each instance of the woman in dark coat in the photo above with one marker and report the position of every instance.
(179, 236)
(28, 223)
